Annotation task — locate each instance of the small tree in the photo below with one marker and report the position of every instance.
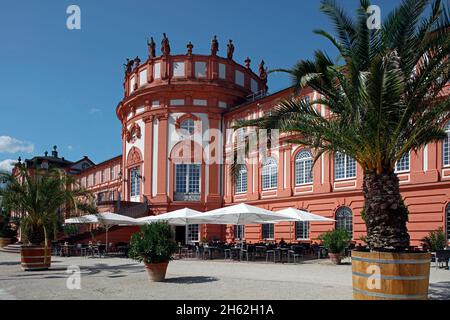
(335, 241)
(153, 244)
(435, 240)
(41, 197)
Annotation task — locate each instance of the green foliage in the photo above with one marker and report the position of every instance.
(153, 244)
(42, 197)
(435, 240)
(335, 241)
(6, 230)
(71, 229)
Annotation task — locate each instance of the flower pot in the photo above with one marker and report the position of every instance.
(35, 257)
(335, 257)
(390, 276)
(5, 241)
(156, 271)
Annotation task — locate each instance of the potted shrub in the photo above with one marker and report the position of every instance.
(335, 241)
(7, 233)
(41, 195)
(382, 99)
(435, 240)
(153, 245)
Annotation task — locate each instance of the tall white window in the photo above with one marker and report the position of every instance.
(178, 69)
(239, 232)
(268, 231)
(157, 70)
(344, 219)
(446, 146)
(344, 166)
(192, 233)
(188, 125)
(269, 174)
(111, 174)
(254, 85)
(187, 182)
(239, 78)
(143, 77)
(303, 167)
(222, 71)
(200, 69)
(302, 230)
(241, 179)
(135, 179)
(402, 165)
(132, 82)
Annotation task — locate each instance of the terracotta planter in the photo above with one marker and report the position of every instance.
(335, 257)
(156, 271)
(35, 257)
(5, 241)
(390, 276)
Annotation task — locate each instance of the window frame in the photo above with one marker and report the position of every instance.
(303, 161)
(446, 145)
(266, 170)
(307, 228)
(339, 219)
(346, 163)
(238, 181)
(408, 155)
(271, 231)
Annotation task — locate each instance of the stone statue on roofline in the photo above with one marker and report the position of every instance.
(165, 46)
(214, 46)
(230, 49)
(137, 62)
(151, 48)
(262, 71)
(247, 62)
(189, 46)
(129, 66)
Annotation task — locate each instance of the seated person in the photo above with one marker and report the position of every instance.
(282, 243)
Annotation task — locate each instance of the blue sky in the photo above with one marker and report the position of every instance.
(61, 86)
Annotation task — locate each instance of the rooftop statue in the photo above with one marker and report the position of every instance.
(214, 46)
(137, 62)
(247, 62)
(230, 49)
(165, 46)
(151, 48)
(190, 46)
(128, 66)
(262, 71)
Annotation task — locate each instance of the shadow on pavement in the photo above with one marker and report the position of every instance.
(190, 280)
(439, 290)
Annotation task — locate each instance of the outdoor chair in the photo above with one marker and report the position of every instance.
(248, 251)
(295, 253)
(271, 252)
(227, 252)
(442, 257)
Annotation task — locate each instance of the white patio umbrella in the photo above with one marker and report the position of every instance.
(301, 215)
(105, 218)
(179, 217)
(240, 214)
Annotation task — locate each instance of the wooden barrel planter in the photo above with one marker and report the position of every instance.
(34, 258)
(390, 276)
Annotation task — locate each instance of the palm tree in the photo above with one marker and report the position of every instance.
(385, 99)
(41, 196)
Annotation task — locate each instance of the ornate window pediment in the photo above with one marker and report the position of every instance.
(134, 133)
(134, 157)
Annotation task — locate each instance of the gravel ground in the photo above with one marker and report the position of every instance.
(120, 278)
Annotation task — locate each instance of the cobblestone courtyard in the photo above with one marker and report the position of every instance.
(120, 278)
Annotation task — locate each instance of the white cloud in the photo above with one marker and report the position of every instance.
(7, 165)
(70, 148)
(11, 145)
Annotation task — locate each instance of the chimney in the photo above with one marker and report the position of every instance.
(55, 152)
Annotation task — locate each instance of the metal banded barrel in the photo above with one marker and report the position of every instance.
(390, 276)
(35, 258)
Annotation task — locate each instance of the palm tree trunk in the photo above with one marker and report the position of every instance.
(385, 213)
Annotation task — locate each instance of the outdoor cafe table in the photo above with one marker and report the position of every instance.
(210, 250)
(282, 252)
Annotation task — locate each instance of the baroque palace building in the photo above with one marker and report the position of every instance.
(175, 114)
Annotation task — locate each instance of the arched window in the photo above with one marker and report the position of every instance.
(344, 219)
(269, 174)
(446, 146)
(188, 125)
(344, 166)
(303, 167)
(447, 215)
(240, 184)
(402, 165)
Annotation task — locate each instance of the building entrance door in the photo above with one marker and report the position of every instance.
(180, 234)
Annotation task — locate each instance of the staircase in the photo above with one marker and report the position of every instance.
(12, 248)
